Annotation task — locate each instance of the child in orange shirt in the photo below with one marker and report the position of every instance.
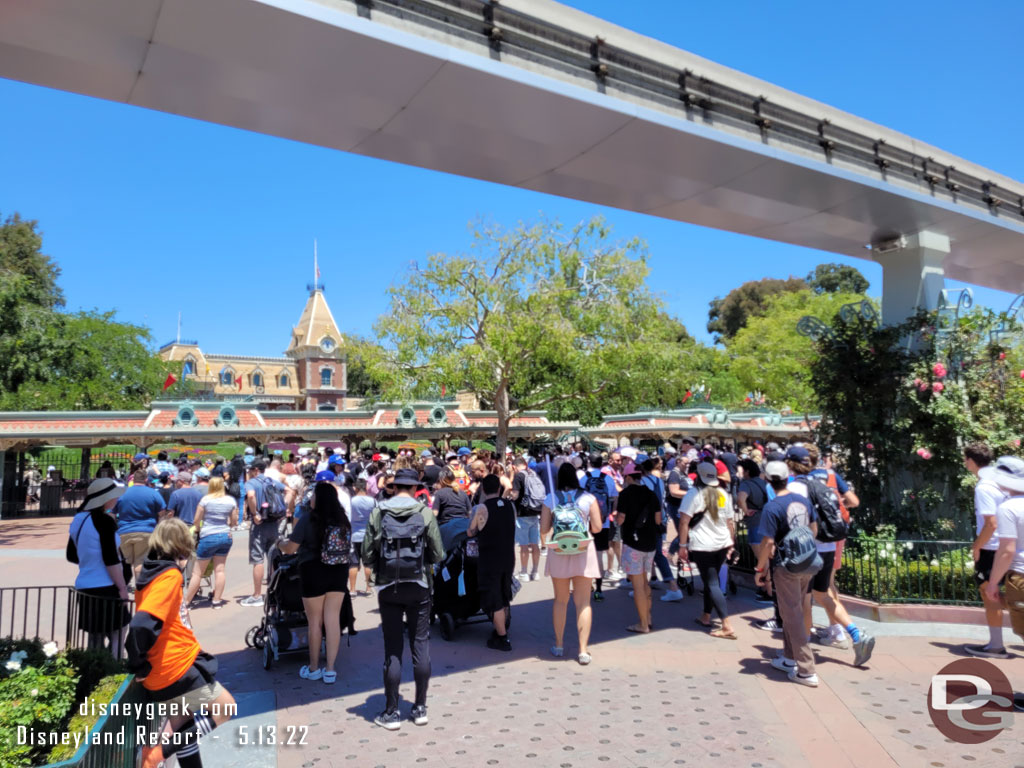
(165, 656)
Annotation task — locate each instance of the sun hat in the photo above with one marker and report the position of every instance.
(406, 477)
(707, 473)
(776, 470)
(1009, 473)
(100, 491)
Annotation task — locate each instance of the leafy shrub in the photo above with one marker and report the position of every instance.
(103, 693)
(38, 698)
(92, 666)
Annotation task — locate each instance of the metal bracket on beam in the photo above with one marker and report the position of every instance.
(598, 67)
(363, 8)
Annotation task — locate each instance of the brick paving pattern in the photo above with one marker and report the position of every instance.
(674, 697)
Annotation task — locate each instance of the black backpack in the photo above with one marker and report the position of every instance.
(798, 553)
(403, 544)
(272, 506)
(831, 526)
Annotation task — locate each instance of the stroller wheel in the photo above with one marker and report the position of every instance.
(447, 626)
(268, 656)
(250, 637)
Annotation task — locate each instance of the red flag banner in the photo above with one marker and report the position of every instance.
(238, 382)
(687, 396)
(169, 381)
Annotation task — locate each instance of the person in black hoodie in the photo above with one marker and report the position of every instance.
(165, 656)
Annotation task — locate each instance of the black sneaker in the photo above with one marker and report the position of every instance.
(984, 652)
(763, 597)
(1018, 702)
(499, 642)
(419, 714)
(390, 720)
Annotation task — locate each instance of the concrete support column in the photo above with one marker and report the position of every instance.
(912, 275)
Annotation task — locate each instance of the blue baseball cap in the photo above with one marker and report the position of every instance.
(335, 459)
(464, 451)
(324, 477)
(797, 453)
(140, 456)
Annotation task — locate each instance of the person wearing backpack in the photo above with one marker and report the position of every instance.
(602, 487)
(323, 540)
(786, 564)
(571, 514)
(401, 542)
(265, 503)
(528, 493)
(639, 516)
(831, 528)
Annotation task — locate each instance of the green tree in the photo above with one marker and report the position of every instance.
(726, 316)
(837, 278)
(358, 350)
(52, 360)
(770, 356)
(540, 317)
(21, 254)
(93, 363)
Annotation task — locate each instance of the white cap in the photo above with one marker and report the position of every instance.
(51, 468)
(250, 451)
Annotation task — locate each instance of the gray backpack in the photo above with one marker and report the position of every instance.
(798, 552)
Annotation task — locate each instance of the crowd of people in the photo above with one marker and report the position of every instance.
(647, 521)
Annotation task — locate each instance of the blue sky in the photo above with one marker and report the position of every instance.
(149, 214)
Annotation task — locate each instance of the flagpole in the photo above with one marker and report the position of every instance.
(316, 266)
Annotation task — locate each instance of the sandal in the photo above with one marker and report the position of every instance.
(330, 676)
(218, 604)
(557, 651)
(722, 634)
(638, 629)
(709, 625)
(584, 659)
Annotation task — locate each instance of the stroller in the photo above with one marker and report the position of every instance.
(456, 598)
(284, 628)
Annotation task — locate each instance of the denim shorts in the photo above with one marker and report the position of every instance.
(216, 544)
(528, 531)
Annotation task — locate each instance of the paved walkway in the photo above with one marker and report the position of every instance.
(674, 697)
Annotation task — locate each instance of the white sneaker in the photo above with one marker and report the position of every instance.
(252, 602)
(672, 597)
(810, 681)
(524, 576)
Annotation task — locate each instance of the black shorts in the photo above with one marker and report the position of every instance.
(355, 558)
(495, 589)
(823, 578)
(983, 566)
(602, 540)
(319, 578)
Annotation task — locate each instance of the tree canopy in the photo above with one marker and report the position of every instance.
(537, 317)
(769, 355)
(55, 360)
(837, 278)
(726, 316)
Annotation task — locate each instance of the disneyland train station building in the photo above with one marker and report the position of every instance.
(301, 399)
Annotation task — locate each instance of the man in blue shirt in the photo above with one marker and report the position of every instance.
(786, 511)
(186, 497)
(138, 512)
